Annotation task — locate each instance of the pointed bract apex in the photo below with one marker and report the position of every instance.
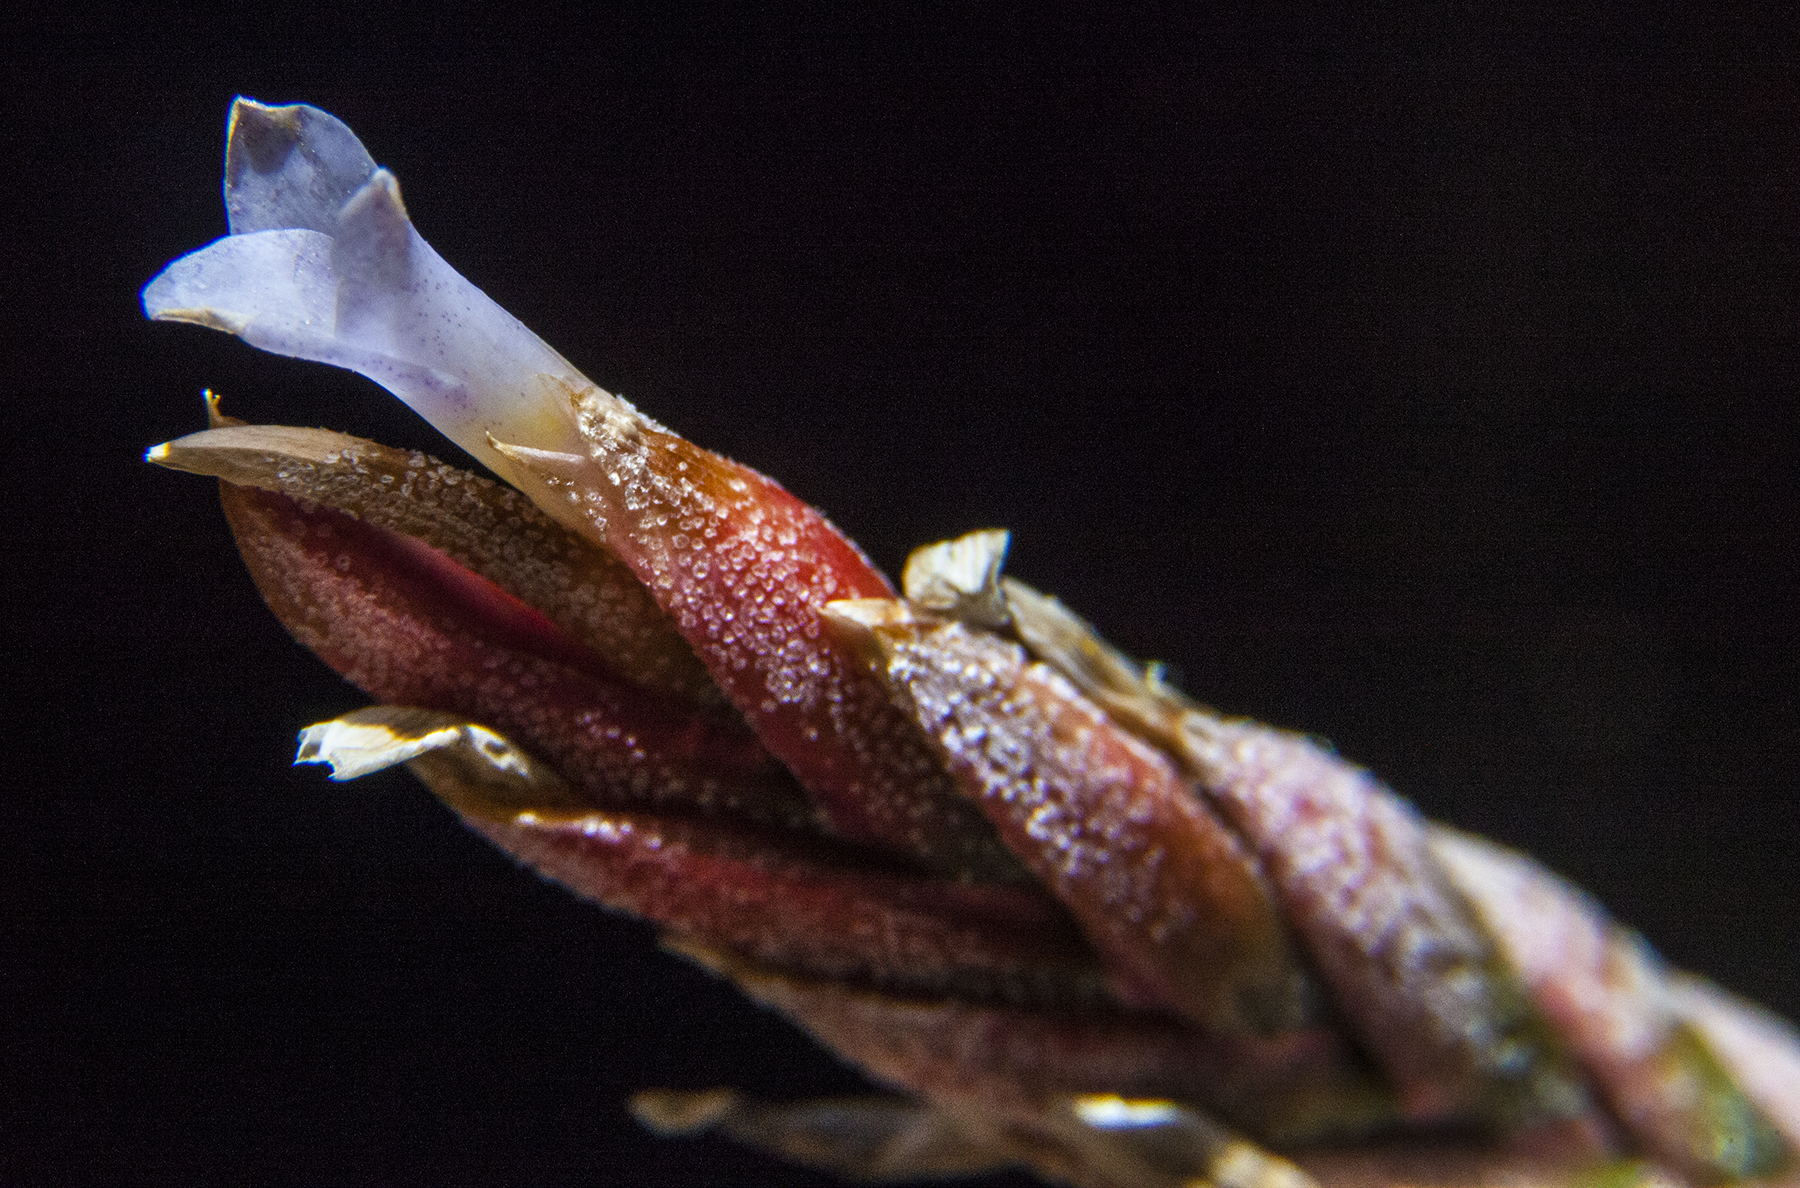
(375, 739)
(961, 578)
(473, 768)
(484, 526)
(860, 616)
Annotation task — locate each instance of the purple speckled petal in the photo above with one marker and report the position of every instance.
(354, 285)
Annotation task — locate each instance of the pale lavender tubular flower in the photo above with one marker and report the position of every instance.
(322, 263)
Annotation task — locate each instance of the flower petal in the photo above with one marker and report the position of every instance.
(355, 286)
(289, 167)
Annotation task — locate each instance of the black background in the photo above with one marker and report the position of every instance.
(1433, 390)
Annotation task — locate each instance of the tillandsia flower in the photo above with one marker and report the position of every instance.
(1073, 920)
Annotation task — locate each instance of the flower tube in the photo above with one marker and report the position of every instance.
(322, 263)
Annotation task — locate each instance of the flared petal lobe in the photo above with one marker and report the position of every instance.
(323, 264)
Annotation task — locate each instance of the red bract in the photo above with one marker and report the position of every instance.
(1076, 921)
(744, 569)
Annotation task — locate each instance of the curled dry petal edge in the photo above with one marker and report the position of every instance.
(1075, 921)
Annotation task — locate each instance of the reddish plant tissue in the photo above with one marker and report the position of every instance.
(1068, 919)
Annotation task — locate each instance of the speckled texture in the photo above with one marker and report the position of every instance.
(1011, 1057)
(1610, 999)
(1108, 823)
(744, 568)
(814, 908)
(1406, 960)
(409, 627)
(480, 524)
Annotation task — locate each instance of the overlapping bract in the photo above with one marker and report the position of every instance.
(1086, 924)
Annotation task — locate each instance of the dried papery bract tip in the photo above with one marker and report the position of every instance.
(361, 744)
(866, 614)
(961, 577)
(1175, 1140)
(670, 1113)
(865, 1139)
(469, 766)
(216, 417)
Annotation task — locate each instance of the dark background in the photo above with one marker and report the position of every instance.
(1433, 390)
